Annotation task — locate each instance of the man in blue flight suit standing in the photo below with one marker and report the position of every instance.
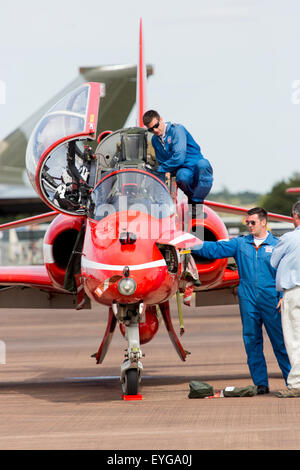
(258, 297)
(179, 154)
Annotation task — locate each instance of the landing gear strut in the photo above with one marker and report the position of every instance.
(132, 368)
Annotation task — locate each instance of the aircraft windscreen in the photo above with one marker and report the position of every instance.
(131, 190)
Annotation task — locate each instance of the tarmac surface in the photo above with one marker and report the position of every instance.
(54, 396)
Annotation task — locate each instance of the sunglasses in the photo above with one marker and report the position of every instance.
(156, 126)
(250, 222)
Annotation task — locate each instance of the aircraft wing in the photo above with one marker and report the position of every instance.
(30, 285)
(242, 211)
(293, 190)
(37, 219)
(120, 96)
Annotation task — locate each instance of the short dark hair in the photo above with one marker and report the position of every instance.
(296, 208)
(260, 211)
(149, 115)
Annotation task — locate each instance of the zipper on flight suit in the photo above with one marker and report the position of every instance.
(256, 249)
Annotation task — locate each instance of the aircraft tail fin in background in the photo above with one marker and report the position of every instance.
(141, 80)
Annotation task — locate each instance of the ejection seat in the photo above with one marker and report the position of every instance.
(129, 148)
(125, 148)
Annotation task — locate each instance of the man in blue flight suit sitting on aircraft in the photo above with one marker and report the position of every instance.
(179, 154)
(258, 298)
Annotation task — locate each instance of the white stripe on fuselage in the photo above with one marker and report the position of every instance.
(86, 263)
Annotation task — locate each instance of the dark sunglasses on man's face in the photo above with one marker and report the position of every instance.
(156, 126)
(250, 222)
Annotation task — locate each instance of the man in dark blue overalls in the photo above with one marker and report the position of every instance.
(179, 154)
(258, 297)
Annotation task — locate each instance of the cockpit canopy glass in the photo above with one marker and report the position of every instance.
(131, 190)
(66, 118)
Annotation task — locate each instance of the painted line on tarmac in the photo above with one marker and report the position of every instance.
(112, 377)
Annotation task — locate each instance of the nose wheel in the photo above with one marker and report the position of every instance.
(132, 368)
(130, 383)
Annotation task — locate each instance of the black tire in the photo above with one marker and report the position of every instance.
(131, 382)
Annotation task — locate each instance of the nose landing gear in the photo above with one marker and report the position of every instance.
(130, 384)
(131, 369)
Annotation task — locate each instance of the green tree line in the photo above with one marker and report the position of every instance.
(278, 200)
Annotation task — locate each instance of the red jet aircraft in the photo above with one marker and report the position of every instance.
(118, 233)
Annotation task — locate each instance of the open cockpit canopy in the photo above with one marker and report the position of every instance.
(61, 165)
(56, 148)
